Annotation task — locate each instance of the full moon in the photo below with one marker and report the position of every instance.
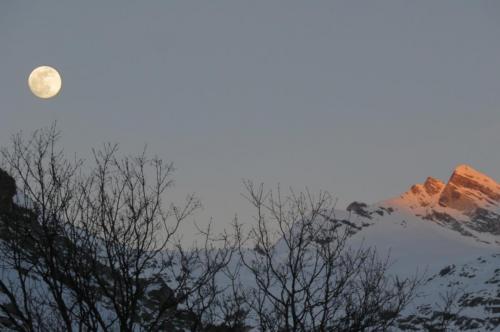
(45, 82)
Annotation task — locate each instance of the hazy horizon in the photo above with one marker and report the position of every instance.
(359, 98)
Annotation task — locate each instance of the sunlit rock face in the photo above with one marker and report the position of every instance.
(433, 186)
(469, 202)
(422, 195)
(467, 190)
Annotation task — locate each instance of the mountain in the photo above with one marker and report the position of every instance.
(468, 203)
(450, 230)
(445, 231)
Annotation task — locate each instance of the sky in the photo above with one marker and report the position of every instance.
(359, 98)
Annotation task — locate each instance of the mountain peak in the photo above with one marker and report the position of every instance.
(469, 171)
(469, 202)
(465, 168)
(465, 192)
(469, 189)
(433, 186)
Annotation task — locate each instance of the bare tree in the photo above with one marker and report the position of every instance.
(231, 306)
(95, 247)
(304, 275)
(448, 309)
(92, 246)
(32, 245)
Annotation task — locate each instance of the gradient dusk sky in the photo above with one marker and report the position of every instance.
(360, 98)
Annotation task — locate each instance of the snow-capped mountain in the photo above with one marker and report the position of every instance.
(468, 203)
(452, 231)
(448, 232)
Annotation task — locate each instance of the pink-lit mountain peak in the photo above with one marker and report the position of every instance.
(465, 192)
(469, 189)
(467, 177)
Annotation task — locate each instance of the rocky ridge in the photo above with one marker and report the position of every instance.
(468, 203)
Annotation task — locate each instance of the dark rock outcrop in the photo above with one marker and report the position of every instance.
(7, 191)
(359, 208)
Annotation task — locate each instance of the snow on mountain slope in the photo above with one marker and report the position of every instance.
(468, 203)
(472, 289)
(452, 232)
(415, 243)
(449, 261)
